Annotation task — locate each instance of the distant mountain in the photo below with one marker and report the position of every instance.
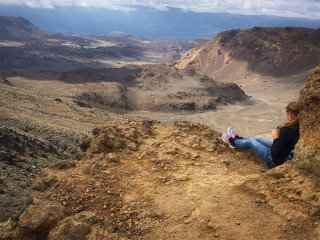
(18, 28)
(277, 52)
(146, 22)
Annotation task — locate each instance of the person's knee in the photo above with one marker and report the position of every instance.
(253, 142)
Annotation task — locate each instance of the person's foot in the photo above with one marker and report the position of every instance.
(225, 138)
(232, 133)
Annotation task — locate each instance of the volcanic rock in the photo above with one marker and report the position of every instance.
(307, 151)
(38, 219)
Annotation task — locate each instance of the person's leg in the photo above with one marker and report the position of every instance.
(260, 149)
(265, 142)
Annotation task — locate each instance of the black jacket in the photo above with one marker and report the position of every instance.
(283, 145)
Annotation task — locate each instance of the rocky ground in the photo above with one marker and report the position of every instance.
(36, 131)
(43, 118)
(139, 179)
(142, 180)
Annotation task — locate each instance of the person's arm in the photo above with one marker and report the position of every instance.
(275, 134)
(280, 144)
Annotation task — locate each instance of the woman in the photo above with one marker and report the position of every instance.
(284, 139)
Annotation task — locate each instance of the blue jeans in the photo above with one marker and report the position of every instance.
(261, 147)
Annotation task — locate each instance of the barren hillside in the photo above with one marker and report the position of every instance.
(36, 131)
(13, 28)
(288, 54)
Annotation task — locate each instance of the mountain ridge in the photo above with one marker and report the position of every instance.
(273, 52)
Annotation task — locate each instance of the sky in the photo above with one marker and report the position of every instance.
(284, 8)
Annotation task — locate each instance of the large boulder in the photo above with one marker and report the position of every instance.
(114, 137)
(74, 227)
(38, 219)
(307, 151)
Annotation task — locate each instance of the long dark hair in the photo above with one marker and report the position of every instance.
(293, 108)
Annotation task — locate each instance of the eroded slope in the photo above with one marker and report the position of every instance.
(238, 55)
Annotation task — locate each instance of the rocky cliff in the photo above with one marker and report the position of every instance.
(307, 154)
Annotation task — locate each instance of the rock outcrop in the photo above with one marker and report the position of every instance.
(74, 227)
(38, 219)
(109, 192)
(292, 189)
(307, 153)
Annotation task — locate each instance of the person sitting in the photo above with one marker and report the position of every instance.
(276, 152)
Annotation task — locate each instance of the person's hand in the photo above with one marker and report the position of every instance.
(275, 134)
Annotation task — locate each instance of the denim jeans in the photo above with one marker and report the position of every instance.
(261, 147)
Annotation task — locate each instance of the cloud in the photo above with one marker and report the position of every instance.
(286, 8)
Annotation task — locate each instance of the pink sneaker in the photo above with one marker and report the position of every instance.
(225, 138)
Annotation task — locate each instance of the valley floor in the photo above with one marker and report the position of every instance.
(257, 118)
